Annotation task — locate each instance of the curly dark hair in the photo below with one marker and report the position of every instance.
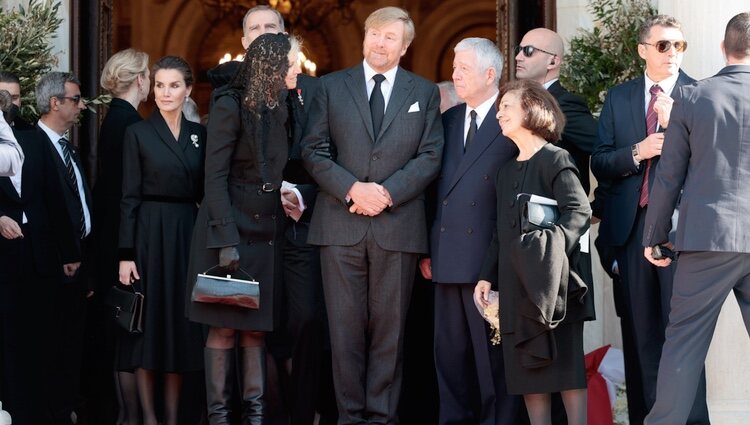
(260, 78)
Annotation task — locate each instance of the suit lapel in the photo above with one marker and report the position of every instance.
(487, 134)
(402, 87)
(638, 107)
(61, 168)
(357, 86)
(161, 128)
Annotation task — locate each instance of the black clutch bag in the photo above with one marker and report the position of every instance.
(238, 289)
(128, 306)
(537, 212)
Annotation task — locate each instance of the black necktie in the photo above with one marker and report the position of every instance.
(68, 157)
(472, 130)
(377, 104)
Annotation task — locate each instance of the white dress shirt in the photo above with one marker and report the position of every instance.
(386, 87)
(11, 154)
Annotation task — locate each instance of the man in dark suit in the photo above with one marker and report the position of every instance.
(369, 217)
(36, 248)
(10, 82)
(464, 221)
(59, 102)
(704, 160)
(627, 153)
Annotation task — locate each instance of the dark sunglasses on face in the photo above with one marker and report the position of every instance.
(75, 99)
(664, 45)
(529, 50)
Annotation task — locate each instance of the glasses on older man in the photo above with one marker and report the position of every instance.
(529, 50)
(664, 45)
(75, 99)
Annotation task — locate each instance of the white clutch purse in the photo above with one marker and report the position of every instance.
(491, 314)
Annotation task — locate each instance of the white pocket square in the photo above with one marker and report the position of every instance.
(414, 107)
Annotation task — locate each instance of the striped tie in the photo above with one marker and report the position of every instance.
(652, 119)
(67, 155)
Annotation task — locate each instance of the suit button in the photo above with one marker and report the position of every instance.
(445, 202)
(442, 229)
(473, 204)
(273, 216)
(270, 242)
(469, 230)
(486, 177)
(256, 216)
(374, 157)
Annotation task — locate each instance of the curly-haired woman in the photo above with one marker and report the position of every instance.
(240, 223)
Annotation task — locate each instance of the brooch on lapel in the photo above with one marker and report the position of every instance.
(299, 97)
(194, 138)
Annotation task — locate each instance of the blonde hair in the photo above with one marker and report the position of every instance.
(387, 15)
(122, 69)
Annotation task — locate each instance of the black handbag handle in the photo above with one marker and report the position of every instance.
(208, 272)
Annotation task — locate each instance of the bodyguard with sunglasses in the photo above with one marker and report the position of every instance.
(631, 126)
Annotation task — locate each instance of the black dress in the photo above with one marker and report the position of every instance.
(162, 185)
(236, 211)
(550, 173)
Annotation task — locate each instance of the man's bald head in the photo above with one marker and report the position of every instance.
(544, 63)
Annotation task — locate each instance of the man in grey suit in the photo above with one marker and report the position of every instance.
(631, 125)
(465, 215)
(369, 217)
(706, 159)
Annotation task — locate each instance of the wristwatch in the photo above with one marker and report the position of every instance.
(634, 151)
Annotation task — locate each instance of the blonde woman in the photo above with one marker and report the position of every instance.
(126, 77)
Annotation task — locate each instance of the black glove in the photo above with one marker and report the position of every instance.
(325, 149)
(229, 258)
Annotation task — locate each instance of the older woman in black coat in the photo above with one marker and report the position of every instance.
(543, 302)
(241, 220)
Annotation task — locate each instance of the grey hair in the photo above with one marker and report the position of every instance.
(259, 8)
(488, 55)
(52, 85)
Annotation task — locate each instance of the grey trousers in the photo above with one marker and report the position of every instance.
(702, 282)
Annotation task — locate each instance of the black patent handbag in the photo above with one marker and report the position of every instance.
(237, 289)
(128, 308)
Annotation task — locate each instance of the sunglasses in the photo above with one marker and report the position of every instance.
(75, 99)
(529, 50)
(664, 45)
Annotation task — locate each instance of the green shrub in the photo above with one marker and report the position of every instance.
(25, 49)
(607, 55)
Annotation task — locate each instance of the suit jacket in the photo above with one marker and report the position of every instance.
(466, 199)
(295, 171)
(49, 228)
(579, 133)
(706, 155)
(404, 157)
(72, 201)
(622, 124)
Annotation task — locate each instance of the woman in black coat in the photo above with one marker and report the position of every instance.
(241, 220)
(126, 77)
(543, 302)
(163, 159)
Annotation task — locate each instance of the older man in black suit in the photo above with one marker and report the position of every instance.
(369, 217)
(705, 160)
(630, 144)
(461, 232)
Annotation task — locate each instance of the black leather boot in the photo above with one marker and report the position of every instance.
(219, 383)
(253, 385)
